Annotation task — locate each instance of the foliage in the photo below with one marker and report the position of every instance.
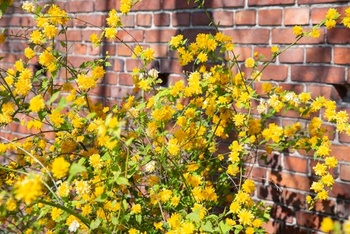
(151, 163)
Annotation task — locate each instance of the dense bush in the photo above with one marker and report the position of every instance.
(150, 164)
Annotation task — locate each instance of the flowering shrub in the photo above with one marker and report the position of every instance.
(150, 164)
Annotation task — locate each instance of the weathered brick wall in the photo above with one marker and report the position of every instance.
(319, 66)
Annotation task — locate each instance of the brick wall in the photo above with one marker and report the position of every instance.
(319, 66)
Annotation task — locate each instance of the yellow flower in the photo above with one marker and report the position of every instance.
(56, 118)
(125, 6)
(330, 23)
(249, 62)
(245, 217)
(323, 195)
(320, 169)
(98, 72)
(55, 213)
(36, 37)
(63, 189)
(85, 82)
(50, 31)
(2, 38)
(346, 226)
(59, 167)
(28, 6)
(94, 39)
(11, 204)
(328, 180)
(111, 33)
(28, 189)
(331, 162)
(248, 186)
(148, 54)
(36, 103)
(297, 30)
(174, 220)
(29, 53)
(315, 33)
(235, 207)
(332, 13)
(135, 209)
(176, 41)
(158, 225)
(274, 49)
(113, 19)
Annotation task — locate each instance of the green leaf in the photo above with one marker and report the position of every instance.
(76, 168)
(95, 224)
(122, 181)
(138, 218)
(53, 97)
(225, 228)
(208, 227)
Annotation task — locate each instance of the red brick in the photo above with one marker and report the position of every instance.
(338, 36)
(175, 4)
(328, 91)
(322, 74)
(307, 219)
(264, 52)
(290, 180)
(105, 5)
(325, 207)
(79, 49)
(249, 36)
(149, 5)
(342, 55)
(85, 20)
(130, 35)
(319, 1)
(160, 51)
(344, 138)
(340, 190)
(272, 161)
(270, 2)
(296, 16)
(344, 172)
(181, 19)
(318, 14)
(242, 52)
(343, 208)
(286, 36)
(144, 20)
(270, 17)
(124, 50)
(110, 78)
(162, 19)
(125, 79)
(118, 92)
(132, 63)
(245, 17)
(318, 55)
(275, 72)
(171, 65)
(292, 55)
(128, 21)
(296, 164)
(200, 18)
(224, 3)
(223, 18)
(79, 6)
(339, 151)
(163, 35)
(281, 195)
(72, 35)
